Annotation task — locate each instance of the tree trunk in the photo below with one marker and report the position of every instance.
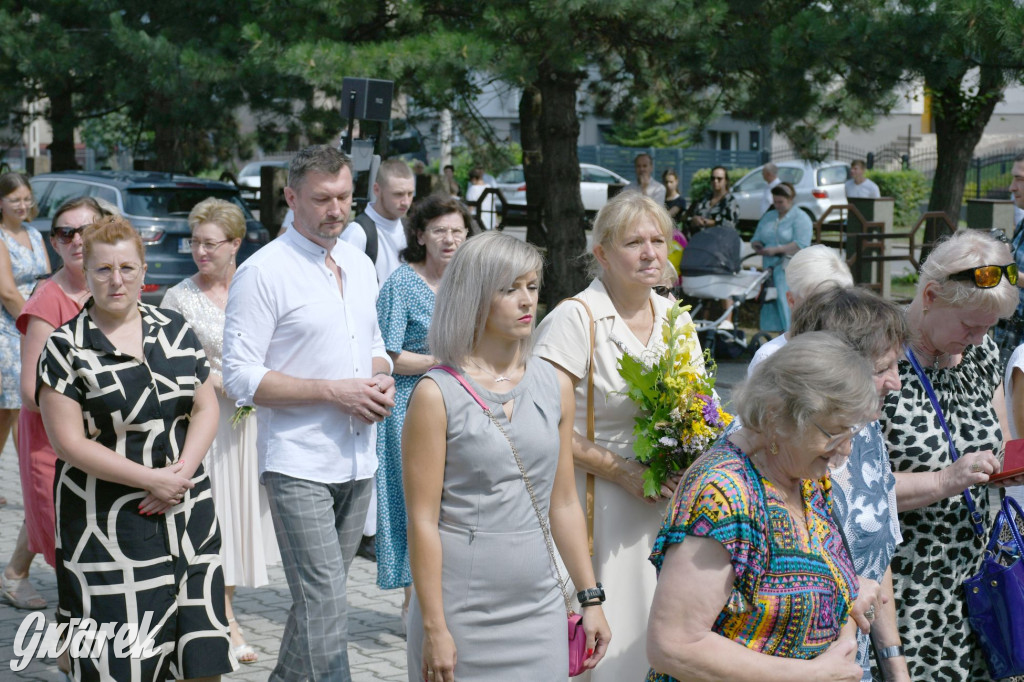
(167, 141)
(563, 207)
(959, 121)
(62, 120)
(533, 161)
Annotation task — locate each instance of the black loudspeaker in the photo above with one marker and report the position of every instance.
(366, 98)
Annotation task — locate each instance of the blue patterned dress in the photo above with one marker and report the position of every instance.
(26, 265)
(404, 310)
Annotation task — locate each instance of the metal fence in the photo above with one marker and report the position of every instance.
(685, 162)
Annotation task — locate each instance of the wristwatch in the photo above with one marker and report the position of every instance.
(889, 652)
(590, 594)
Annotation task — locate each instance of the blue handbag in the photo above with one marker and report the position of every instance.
(995, 595)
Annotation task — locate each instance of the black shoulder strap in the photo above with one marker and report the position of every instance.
(370, 228)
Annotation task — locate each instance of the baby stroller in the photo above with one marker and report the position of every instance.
(711, 270)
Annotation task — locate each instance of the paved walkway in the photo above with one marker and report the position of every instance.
(377, 646)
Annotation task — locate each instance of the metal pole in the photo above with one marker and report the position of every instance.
(351, 121)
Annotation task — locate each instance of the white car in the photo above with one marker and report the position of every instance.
(818, 186)
(249, 179)
(594, 182)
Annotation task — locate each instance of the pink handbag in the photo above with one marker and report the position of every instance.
(577, 635)
(577, 645)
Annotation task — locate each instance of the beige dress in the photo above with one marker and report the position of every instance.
(624, 526)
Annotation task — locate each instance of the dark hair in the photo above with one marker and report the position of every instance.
(868, 322)
(477, 173)
(431, 207)
(668, 172)
(12, 181)
(724, 170)
(864, 164)
(76, 203)
(784, 189)
(447, 166)
(318, 158)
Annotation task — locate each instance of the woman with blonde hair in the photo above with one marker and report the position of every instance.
(487, 468)
(23, 259)
(133, 501)
(620, 307)
(248, 543)
(966, 285)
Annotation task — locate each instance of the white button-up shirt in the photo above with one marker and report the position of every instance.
(285, 313)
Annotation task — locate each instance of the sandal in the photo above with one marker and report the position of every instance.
(243, 653)
(19, 593)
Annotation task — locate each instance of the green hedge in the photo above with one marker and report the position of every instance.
(700, 184)
(908, 187)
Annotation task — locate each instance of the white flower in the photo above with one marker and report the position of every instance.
(668, 442)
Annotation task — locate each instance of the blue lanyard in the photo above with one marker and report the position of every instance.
(976, 518)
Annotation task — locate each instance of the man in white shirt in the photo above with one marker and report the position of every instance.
(858, 186)
(770, 173)
(393, 190)
(301, 342)
(643, 164)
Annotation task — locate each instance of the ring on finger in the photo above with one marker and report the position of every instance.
(870, 613)
(977, 467)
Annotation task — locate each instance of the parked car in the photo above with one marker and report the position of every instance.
(157, 204)
(249, 179)
(594, 182)
(818, 186)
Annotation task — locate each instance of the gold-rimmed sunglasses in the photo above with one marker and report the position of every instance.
(987, 276)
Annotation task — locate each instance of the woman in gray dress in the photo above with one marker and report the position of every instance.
(486, 601)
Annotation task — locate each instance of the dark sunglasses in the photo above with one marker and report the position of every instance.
(987, 276)
(67, 234)
(661, 290)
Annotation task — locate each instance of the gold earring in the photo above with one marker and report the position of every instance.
(773, 449)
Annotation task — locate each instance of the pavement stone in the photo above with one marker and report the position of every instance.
(376, 640)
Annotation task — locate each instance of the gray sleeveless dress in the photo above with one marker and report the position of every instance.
(501, 598)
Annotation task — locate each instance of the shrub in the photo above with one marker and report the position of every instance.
(700, 184)
(908, 187)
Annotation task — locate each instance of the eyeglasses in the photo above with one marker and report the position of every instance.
(66, 235)
(439, 232)
(837, 439)
(988, 276)
(209, 247)
(662, 290)
(129, 272)
(27, 203)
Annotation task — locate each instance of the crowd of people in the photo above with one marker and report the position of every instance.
(391, 381)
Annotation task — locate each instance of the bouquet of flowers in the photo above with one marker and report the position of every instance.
(679, 415)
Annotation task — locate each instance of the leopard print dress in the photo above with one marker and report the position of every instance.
(939, 548)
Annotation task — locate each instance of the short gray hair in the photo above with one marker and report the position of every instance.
(318, 158)
(865, 320)
(814, 375)
(961, 251)
(814, 268)
(618, 215)
(480, 268)
(771, 168)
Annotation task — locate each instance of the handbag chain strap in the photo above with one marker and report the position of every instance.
(976, 518)
(526, 479)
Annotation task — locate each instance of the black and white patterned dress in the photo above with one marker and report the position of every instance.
(939, 548)
(115, 565)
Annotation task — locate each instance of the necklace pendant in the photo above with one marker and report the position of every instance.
(500, 379)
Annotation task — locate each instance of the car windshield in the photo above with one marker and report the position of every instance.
(834, 175)
(174, 202)
(511, 176)
(791, 175)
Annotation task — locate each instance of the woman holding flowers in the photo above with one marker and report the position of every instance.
(754, 579)
(631, 235)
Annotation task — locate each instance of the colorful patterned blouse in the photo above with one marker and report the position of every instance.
(794, 587)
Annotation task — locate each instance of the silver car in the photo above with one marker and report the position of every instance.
(818, 186)
(594, 182)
